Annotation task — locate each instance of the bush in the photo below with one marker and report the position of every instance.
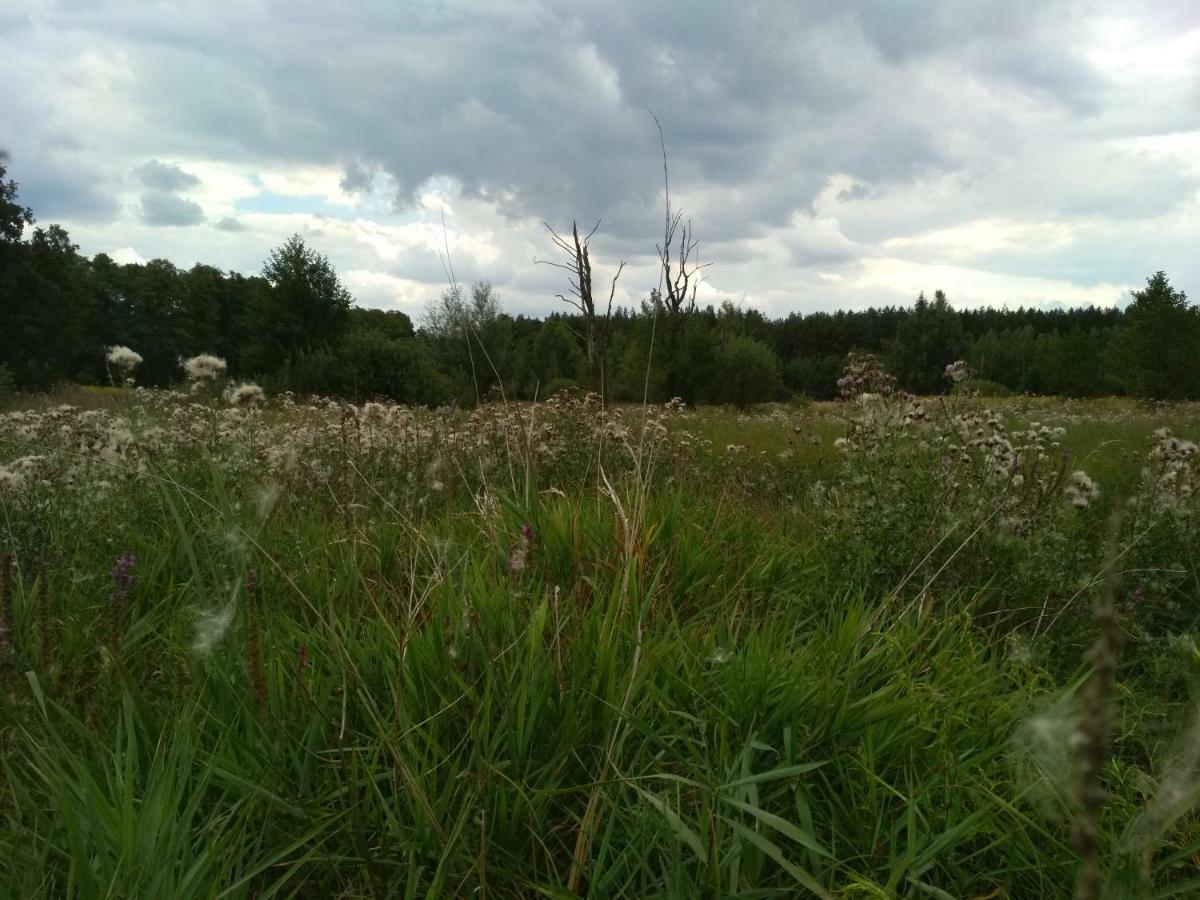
(747, 372)
(815, 376)
(981, 387)
(367, 364)
(556, 385)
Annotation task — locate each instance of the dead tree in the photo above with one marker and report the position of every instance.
(578, 265)
(680, 270)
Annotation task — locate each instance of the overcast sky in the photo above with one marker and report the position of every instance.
(829, 154)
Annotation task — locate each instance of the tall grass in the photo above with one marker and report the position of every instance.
(711, 673)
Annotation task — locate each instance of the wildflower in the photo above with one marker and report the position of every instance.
(521, 554)
(864, 374)
(122, 580)
(122, 576)
(1081, 490)
(124, 359)
(11, 481)
(204, 367)
(958, 371)
(245, 395)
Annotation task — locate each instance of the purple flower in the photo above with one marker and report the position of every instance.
(122, 576)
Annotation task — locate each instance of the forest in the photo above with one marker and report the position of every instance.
(294, 327)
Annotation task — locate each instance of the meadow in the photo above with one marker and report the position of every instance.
(880, 647)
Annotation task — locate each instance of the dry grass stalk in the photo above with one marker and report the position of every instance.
(1091, 739)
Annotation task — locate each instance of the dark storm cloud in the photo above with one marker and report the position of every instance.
(545, 111)
(64, 189)
(162, 176)
(543, 107)
(165, 208)
(932, 112)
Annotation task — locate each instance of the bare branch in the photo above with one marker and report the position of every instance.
(578, 263)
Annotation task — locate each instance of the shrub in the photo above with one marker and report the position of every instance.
(748, 372)
(981, 387)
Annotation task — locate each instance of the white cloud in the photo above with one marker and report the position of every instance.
(127, 255)
(828, 154)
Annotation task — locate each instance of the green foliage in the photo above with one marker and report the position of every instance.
(746, 372)
(62, 312)
(306, 308)
(13, 217)
(927, 340)
(981, 387)
(8, 384)
(368, 364)
(814, 376)
(777, 669)
(825, 671)
(1155, 348)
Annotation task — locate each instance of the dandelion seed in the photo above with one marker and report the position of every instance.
(211, 626)
(1040, 755)
(719, 656)
(265, 499)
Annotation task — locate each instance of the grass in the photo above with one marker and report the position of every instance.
(783, 670)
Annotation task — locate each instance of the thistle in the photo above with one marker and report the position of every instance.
(204, 367)
(520, 554)
(118, 596)
(124, 359)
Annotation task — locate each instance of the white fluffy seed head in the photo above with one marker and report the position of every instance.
(204, 366)
(123, 358)
(211, 626)
(245, 395)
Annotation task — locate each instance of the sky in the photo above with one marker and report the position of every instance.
(830, 154)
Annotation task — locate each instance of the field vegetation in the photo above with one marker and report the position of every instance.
(876, 647)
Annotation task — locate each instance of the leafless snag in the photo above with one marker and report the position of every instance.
(678, 250)
(578, 265)
(680, 272)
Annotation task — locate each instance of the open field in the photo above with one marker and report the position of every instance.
(836, 649)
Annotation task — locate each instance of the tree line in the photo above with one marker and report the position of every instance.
(294, 326)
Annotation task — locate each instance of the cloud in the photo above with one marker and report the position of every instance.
(127, 255)
(163, 208)
(162, 176)
(809, 142)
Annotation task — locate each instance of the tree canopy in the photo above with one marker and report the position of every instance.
(295, 326)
